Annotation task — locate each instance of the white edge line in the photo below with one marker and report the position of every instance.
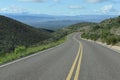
(29, 56)
(108, 47)
(104, 46)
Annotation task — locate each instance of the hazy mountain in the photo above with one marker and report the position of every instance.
(56, 22)
(54, 25)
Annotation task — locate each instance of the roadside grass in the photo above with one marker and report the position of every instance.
(28, 51)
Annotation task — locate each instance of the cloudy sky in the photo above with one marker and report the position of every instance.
(60, 7)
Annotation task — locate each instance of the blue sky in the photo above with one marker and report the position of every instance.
(61, 7)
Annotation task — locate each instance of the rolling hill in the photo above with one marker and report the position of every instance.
(107, 31)
(14, 33)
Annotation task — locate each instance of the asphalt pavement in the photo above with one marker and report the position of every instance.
(76, 59)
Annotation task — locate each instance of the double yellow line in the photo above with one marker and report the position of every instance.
(79, 59)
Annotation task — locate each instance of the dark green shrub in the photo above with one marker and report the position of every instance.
(111, 40)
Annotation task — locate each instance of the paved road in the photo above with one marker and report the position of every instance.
(71, 60)
(99, 63)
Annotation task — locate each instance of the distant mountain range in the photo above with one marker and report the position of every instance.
(56, 22)
(54, 25)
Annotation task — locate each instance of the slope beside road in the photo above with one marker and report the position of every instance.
(70, 61)
(51, 64)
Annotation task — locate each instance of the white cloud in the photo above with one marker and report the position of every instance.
(95, 1)
(13, 9)
(32, 0)
(75, 7)
(107, 9)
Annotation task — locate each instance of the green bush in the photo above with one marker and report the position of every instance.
(20, 49)
(111, 40)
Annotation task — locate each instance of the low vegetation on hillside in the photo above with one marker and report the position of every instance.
(22, 51)
(14, 33)
(18, 40)
(108, 31)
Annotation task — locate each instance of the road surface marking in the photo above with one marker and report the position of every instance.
(79, 64)
(73, 66)
(74, 63)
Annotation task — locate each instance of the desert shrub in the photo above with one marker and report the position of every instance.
(111, 40)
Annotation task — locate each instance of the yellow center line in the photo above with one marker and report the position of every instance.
(79, 65)
(73, 66)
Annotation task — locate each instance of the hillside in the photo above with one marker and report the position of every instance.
(107, 31)
(14, 33)
(79, 27)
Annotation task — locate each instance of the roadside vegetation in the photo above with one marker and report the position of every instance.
(22, 51)
(18, 40)
(108, 31)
